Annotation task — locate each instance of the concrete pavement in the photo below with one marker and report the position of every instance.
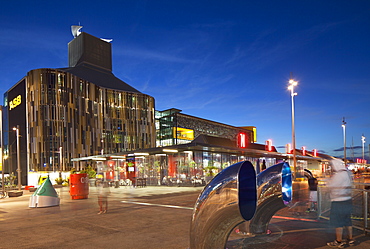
(151, 217)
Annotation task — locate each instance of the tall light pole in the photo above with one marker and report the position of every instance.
(292, 84)
(363, 148)
(16, 129)
(344, 139)
(2, 150)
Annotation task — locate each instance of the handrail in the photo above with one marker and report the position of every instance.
(323, 203)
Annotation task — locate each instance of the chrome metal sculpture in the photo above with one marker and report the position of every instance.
(234, 196)
(229, 199)
(274, 191)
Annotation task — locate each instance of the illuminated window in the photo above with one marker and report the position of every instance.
(183, 133)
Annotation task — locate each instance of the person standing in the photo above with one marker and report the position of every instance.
(340, 187)
(104, 191)
(263, 167)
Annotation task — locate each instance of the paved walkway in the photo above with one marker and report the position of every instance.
(143, 218)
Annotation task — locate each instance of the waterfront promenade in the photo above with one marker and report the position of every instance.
(151, 217)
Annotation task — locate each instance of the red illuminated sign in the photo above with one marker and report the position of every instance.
(242, 140)
(303, 151)
(314, 152)
(361, 161)
(268, 144)
(288, 149)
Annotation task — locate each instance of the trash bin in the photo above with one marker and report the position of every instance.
(79, 186)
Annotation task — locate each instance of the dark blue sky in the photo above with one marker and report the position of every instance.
(227, 61)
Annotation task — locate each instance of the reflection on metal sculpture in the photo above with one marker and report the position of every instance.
(274, 191)
(236, 195)
(229, 199)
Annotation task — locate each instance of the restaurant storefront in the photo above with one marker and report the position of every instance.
(193, 163)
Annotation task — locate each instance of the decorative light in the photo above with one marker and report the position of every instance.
(170, 150)
(288, 149)
(268, 145)
(141, 154)
(314, 152)
(242, 140)
(303, 150)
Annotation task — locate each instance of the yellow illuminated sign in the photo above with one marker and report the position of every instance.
(15, 102)
(183, 133)
(254, 129)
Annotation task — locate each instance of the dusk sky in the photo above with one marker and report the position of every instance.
(226, 61)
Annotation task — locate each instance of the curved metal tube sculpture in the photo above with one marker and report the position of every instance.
(274, 186)
(229, 199)
(234, 196)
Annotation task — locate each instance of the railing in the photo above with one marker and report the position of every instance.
(360, 214)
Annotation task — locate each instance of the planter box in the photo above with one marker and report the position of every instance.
(32, 189)
(15, 193)
(79, 186)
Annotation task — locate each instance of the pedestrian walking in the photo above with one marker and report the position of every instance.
(340, 187)
(263, 167)
(312, 185)
(103, 193)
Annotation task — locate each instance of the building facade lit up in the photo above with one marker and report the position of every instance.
(174, 127)
(74, 112)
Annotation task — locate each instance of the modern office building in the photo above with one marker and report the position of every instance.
(73, 112)
(174, 127)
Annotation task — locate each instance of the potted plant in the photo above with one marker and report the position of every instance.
(13, 193)
(59, 180)
(209, 172)
(91, 173)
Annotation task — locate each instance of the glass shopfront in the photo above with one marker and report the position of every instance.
(188, 168)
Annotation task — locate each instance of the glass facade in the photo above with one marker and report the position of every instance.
(174, 127)
(189, 168)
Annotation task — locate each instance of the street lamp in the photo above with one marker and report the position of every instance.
(363, 148)
(16, 129)
(2, 150)
(344, 139)
(292, 84)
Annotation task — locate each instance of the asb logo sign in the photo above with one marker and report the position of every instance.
(15, 102)
(242, 140)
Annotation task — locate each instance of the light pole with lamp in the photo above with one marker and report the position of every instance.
(344, 139)
(363, 149)
(292, 84)
(2, 150)
(16, 129)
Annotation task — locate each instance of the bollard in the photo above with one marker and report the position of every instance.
(44, 196)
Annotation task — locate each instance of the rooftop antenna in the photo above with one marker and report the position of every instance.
(76, 30)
